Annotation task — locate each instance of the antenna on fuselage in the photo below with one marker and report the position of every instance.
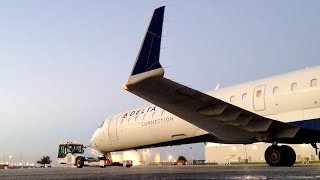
(217, 86)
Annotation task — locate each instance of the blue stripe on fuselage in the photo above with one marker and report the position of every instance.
(313, 124)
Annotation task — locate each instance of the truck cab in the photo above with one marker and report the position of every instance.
(72, 153)
(69, 147)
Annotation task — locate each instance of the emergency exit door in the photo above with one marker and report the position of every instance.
(259, 98)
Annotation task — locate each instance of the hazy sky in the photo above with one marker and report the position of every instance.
(62, 63)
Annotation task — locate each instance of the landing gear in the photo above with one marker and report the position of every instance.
(280, 155)
(105, 160)
(108, 157)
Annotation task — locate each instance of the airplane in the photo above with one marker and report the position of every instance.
(279, 109)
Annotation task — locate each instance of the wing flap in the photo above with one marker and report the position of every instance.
(241, 121)
(257, 125)
(212, 110)
(227, 116)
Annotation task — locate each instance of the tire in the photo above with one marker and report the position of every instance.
(79, 162)
(274, 155)
(289, 155)
(280, 155)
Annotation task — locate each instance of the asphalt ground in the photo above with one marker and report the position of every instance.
(168, 172)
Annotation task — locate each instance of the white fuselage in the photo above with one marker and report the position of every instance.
(288, 97)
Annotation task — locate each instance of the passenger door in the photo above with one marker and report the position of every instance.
(259, 98)
(112, 128)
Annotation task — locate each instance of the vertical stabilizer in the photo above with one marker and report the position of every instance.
(147, 62)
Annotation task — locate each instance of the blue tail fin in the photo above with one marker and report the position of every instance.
(149, 54)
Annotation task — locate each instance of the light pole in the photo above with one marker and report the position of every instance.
(4, 157)
(170, 159)
(191, 155)
(147, 156)
(245, 148)
(10, 159)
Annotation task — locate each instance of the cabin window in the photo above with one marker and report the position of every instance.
(244, 96)
(153, 114)
(232, 98)
(313, 82)
(294, 86)
(275, 89)
(258, 93)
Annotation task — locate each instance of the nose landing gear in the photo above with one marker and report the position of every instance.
(280, 155)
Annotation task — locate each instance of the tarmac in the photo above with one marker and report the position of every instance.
(168, 172)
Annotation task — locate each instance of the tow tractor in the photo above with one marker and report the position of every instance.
(72, 153)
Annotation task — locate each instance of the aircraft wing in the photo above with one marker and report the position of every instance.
(228, 122)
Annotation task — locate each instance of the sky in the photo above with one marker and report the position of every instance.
(63, 63)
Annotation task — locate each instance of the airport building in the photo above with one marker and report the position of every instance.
(228, 153)
(219, 153)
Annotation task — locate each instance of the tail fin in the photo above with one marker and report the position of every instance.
(147, 62)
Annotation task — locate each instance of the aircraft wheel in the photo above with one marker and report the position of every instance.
(280, 155)
(79, 162)
(274, 155)
(289, 157)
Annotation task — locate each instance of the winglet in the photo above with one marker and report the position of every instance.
(147, 62)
